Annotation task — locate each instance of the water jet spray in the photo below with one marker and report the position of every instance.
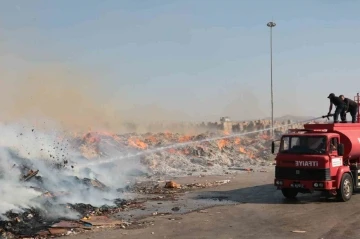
(179, 145)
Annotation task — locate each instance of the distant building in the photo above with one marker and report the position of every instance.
(224, 119)
(226, 124)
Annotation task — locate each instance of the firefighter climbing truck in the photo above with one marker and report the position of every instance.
(321, 157)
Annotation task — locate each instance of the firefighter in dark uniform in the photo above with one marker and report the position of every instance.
(350, 106)
(340, 106)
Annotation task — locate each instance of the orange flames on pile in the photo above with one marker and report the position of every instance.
(168, 135)
(137, 143)
(222, 143)
(226, 142)
(184, 138)
(248, 153)
(92, 138)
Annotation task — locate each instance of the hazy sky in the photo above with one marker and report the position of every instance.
(204, 58)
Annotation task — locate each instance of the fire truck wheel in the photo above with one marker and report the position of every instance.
(290, 193)
(346, 188)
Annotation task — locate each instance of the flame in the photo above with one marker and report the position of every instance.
(94, 137)
(89, 152)
(137, 143)
(168, 135)
(248, 153)
(226, 133)
(237, 141)
(184, 138)
(222, 143)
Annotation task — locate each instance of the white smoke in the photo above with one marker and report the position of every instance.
(25, 148)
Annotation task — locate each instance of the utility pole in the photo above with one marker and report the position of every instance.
(271, 25)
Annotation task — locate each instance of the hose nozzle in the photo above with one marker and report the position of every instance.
(327, 116)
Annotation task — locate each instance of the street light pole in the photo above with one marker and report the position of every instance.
(271, 25)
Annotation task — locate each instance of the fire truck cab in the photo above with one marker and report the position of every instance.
(320, 157)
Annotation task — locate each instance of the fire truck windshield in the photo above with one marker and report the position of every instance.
(303, 144)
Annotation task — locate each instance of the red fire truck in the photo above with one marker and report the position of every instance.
(321, 157)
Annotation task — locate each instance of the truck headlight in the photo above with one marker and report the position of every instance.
(318, 185)
(279, 182)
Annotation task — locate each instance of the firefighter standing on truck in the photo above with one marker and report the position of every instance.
(350, 106)
(340, 106)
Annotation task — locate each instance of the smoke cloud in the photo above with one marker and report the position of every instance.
(76, 101)
(25, 148)
(41, 108)
(71, 99)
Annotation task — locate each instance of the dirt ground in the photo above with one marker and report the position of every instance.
(247, 207)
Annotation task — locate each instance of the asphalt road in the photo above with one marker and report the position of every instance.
(260, 212)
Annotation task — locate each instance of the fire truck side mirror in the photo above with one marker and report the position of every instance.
(340, 149)
(272, 147)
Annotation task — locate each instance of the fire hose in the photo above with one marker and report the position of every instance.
(327, 116)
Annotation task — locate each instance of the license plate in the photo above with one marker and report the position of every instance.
(298, 185)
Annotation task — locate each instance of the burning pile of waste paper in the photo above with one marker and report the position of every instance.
(54, 183)
(178, 154)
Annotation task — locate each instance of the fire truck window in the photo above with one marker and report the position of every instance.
(285, 143)
(295, 141)
(304, 144)
(333, 144)
(317, 143)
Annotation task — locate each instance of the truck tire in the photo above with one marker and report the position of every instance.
(289, 193)
(345, 191)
